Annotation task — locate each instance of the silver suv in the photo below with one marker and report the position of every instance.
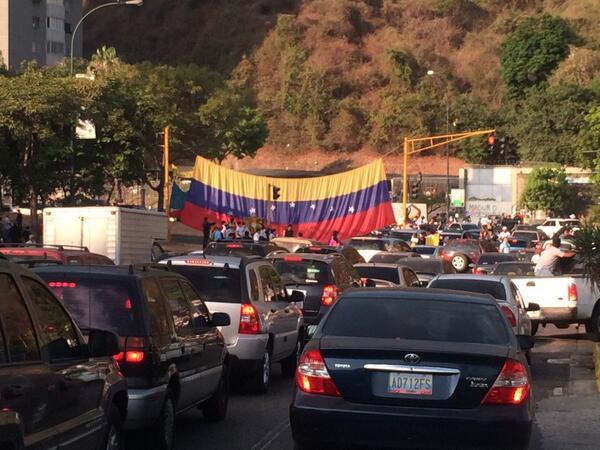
(266, 321)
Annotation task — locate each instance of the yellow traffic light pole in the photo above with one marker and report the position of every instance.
(430, 142)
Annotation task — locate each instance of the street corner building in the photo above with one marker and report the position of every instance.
(353, 202)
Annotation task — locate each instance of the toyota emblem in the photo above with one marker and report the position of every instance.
(412, 358)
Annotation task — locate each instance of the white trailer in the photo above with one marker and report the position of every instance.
(123, 234)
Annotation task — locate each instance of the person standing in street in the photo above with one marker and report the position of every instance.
(503, 234)
(206, 226)
(504, 246)
(5, 229)
(546, 265)
(289, 231)
(217, 235)
(335, 240)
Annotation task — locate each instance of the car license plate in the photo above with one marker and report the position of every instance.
(410, 383)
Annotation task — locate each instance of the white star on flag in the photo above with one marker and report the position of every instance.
(252, 211)
(331, 209)
(351, 209)
(273, 207)
(292, 205)
(313, 206)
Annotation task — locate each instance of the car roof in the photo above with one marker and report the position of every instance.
(9, 267)
(420, 294)
(470, 276)
(212, 260)
(309, 256)
(382, 265)
(106, 270)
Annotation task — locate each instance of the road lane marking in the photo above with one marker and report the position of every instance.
(271, 435)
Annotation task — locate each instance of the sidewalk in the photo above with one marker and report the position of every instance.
(568, 402)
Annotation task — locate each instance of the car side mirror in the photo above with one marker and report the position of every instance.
(103, 343)
(532, 307)
(296, 297)
(525, 342)
(220, 319)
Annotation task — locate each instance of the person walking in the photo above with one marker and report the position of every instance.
(206, 226)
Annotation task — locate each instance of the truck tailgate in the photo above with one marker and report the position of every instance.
(553, 294)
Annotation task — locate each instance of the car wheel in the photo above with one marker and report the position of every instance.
(215, 410)
(460, 262)
(114, 432)
(262, 374)
(165, 426)
(289, 364)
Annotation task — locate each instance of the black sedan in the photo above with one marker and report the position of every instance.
(413, 368)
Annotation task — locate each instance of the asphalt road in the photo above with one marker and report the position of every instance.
(568, 405)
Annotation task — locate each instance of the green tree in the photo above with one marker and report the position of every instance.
(589, 142)
(532, 52)
(546, 189)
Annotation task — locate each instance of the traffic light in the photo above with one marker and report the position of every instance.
(414, 188)
(491, 144)
(276, 193)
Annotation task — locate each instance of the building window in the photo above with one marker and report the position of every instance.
(55, 24)
(35, 22)
(55, 47)
(67, 28)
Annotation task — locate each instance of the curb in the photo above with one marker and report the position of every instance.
(596, 358)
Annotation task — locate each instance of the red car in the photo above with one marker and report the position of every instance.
(62, 254)
(462, 252)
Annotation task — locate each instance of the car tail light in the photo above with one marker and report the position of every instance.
(511, 386)
(478, 271)
(314, 249)
(292, 258)
(572, 292)
(133, 350)
(509, 316)
(249, 322)
(330, 294)
(233, 246)
(62, 284)
(312, 375)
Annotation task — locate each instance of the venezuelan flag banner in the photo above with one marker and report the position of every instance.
(353, 202)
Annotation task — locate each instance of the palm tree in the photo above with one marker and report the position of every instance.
(104, 61)
(588, 246)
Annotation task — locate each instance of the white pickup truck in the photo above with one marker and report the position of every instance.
(563, 300)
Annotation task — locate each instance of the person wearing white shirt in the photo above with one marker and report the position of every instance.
(503, 234)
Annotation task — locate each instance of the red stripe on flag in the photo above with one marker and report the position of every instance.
(348, 226)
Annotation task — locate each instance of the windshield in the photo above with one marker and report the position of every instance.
(233, 249)
(302, 271)
(214, 284)
(379, 273)
(428, 320)
(525, 235)
(514, 269)
(421, 265)
(493, 288)
(368, 244)
(404, 236)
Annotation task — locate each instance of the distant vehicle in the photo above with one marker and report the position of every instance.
(125, 235)
(551, 226)
(369, 246)
(405, 235)
(527, 235)
(421, 367)
(519, 245)
(63, 254)
(350, 253)
(393, 257)
(401, 276)
(171, 351)
(447, 236)
(241, 248)
(487, 262)
(525, 227)
(462, 252)
(514, 268)
(57, 391)
(266, 321)
(321, 278)
(427, 251)
(427, 269)
(472, 227)
(500, 288)
(292, 244)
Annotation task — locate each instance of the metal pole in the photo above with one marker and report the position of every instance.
(166, 171)
(405, 183)
(447, 161)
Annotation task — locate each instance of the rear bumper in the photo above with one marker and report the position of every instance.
(565, 314)
(247, 350)
(314, 417)
(144, 406)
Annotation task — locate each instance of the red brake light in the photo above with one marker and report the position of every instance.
(127, 304)
(330, 294)
(129, 356)
(249, 322)
(233, 246)
(292, 258)
(572, 292)
(62, 284)
(198, 262)
(509, 316)
(511, 386)
(133, 350)
(312, 375)
(314, 249)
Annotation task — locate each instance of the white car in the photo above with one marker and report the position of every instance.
(551, 226)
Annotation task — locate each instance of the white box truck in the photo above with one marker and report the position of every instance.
(125, 235)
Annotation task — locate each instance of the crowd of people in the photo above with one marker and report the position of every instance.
(13, 232)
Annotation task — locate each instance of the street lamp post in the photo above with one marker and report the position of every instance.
(93, 10)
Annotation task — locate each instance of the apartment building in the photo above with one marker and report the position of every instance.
(38, 30)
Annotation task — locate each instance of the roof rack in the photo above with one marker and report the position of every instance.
(37, 262)
(57, 247)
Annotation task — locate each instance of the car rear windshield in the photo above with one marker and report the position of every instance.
(214, 284)
(514, 269)
(425, 250)
(368, 244)
(493, 288)
(302, 271)
(429, 320)
(379, 273)
(233, 249)
(421, 265)
(461, 246)
(493, 258)
(526, 235)
(404, 236)
(107, 304)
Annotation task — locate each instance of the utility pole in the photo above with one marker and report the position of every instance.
(166, 170)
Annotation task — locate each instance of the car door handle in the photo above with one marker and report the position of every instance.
(530, 284)
(13, 391)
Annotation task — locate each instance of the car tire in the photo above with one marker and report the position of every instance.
(289, 364)
(114, 439)
(460, 262)
(262, 374)
(164, 430)
(215, 410)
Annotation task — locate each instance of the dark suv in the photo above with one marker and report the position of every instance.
(55, 390)
(62, 254)
(172, 354)
(321, 278)
(242, 248)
